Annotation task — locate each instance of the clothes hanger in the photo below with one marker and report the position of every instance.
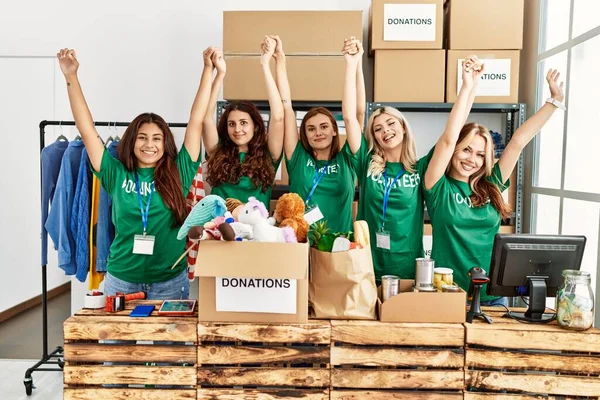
(110, 138)
(61, 137)
(117, 138)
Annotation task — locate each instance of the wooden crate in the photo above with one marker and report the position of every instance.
(264, 361)
(512, 360)
(139, 367)
(375, 360)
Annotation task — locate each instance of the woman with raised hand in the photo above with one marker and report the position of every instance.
(463, 185)
(147, 189)
(242, 156)
(319, 172)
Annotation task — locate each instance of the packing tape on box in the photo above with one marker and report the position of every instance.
(94, 300)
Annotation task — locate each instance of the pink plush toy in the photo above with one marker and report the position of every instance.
(255, 213)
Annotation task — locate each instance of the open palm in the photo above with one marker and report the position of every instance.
(556, 90)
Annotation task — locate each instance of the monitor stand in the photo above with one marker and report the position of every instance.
(537, 302)
(475, 309)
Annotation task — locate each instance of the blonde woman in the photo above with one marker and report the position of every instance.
(463, 185)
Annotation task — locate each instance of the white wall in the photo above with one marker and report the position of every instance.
(135, 56)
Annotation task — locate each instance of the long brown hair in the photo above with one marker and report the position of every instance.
(166, 174)
(483, 189)
(224, 164)
(335, 142)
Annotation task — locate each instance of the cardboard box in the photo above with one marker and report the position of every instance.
(405, 24)
(409, 306)
(257, 286)
(302, 32)
(409, 76)
(312, 78)
(281, 175)
(500, 81)
(486, 24)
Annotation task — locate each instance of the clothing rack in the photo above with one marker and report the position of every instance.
(56, 357)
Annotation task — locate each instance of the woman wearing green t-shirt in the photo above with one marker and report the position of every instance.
(147, 186)
(463, 186)
(242, 157)
(319, 172)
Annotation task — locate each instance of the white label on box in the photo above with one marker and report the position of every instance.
(427, 245)
(495, 80)
(258, 295)
(409, 22)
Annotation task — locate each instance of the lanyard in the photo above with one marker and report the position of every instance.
(387, 189)
(144, 213)
(316, 179)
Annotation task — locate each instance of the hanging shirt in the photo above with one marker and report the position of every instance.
(335, 191)
(244, 189)
(463, 235)
(404, 213)
(58, 223)
(105, 230)
(80, 218)
(51, 159)
(120, 184)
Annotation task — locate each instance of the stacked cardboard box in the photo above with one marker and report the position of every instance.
(406, 38)
(314, 61)
(492, 30)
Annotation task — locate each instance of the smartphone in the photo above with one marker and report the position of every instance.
(142, 311)
(177, 307)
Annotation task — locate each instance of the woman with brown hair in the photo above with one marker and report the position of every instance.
(319, 172)
(146, 186)
(242, 156)
(463, 186)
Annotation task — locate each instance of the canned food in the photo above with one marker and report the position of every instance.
(426, 289)
(424, 272)
(389, 286)
(442, 276)
(450, 288)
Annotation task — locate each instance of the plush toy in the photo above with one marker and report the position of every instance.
(234, 206)
(255, 213)
(290, 212)
(205, 210)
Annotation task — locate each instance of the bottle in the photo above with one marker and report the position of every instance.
(575, 301)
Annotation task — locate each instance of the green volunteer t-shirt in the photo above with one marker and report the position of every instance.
(463, 235)
(335, 191)
(404, 215)
(244, 188)
(127, 218)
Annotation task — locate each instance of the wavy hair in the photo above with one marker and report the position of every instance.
(335, 142)
(408, 156)
(224, 164)
(166, 174)
(483, 189)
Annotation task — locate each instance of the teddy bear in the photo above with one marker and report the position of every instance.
(289, 211)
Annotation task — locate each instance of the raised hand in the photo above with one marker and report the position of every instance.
(218, 61)
(352, 50)
(278, 46)
(207, 56)
(268, 49)
(472, 69)
(556, 90)
(67, 59)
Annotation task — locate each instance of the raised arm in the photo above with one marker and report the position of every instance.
(353, 54)
(531, 127)
(275, 136)
(81, 113)
(444, 149)
(361, 97)
(193, 133)
(210, 134)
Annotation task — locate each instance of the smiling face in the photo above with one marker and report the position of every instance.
(149, 145)
(388, 131)
(473, 156)
(240, 129)
(320, 132)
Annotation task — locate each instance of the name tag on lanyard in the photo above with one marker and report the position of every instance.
(143, 244)
(313, 214)
(382, 237)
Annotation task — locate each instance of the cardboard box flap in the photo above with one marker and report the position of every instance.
(277, 260)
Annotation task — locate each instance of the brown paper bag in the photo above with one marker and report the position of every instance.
(342, 284)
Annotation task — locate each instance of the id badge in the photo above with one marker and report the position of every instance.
(143, 244)
(313, 215)
(383, 240)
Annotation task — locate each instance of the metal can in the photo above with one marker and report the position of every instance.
(424, 272)
(389, 286)
(424, 289)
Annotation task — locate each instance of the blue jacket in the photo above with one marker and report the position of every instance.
(59, 219)
(80, 218)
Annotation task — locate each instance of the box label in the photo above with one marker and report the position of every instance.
(409, 22)
(259, 295)
(427, 245)
(495, 80)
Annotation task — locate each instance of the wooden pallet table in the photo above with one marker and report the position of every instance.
(264, 361)
(518, 361)
(154, 358)
(376, 361)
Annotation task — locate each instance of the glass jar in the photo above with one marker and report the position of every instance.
(575, 301)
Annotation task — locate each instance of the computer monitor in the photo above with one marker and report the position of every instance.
(532, 265)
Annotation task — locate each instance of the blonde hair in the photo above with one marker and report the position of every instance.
(483, 189)
(408, 156)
